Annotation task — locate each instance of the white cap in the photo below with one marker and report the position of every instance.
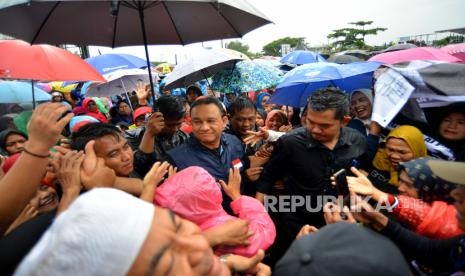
(101, 233)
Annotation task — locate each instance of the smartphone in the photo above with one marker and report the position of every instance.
(342, 187)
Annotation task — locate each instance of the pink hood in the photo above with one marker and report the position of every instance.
(194, 195)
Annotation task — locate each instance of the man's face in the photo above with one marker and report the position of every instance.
(45, 200)
(323, 126)
(243, 121)
(208, 124)
(171, 126)
(175, 246)
(117, 154)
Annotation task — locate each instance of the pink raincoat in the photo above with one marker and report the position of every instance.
(194, 195)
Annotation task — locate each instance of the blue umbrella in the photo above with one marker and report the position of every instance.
(302, 57)
(21, 92)
(108, 63)
(300, 82)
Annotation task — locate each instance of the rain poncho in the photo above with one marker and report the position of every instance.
(195, 195)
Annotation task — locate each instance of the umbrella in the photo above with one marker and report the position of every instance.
(202, 66)
(246, 76)
(302, 57)
(361, 54)
(165, 67)
(343, 59)
(457, 50)
(117, 23)
(300, 82)
(108, 63)
(20, 60)
(398, 47)
(119, 82)
(235, 53)
(420, 53)
(21, 92)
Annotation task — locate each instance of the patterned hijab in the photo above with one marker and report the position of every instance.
(429, 187)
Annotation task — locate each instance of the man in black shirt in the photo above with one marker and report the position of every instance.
(306, 158)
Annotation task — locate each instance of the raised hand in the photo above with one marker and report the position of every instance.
(45, 127)
(68, 170)
(155, 124)
(306, 230)
(142, 91)
(233, 188)
(156, 174)
(94, 172)
(363, 212)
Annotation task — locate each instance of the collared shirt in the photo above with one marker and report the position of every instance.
(306, 165)
(193, 153)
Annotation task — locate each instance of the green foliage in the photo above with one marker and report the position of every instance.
(274, 48)
(347, 38)
(238, 46)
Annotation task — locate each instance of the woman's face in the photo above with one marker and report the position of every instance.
(14, 143)
(45, 200)
(361, 106)
(263, 102)
(259, 120)
(453, 127)
(275, 122)
(288, 110)
(124, 109)
(406, 185)
(92, 106)
(398, 151)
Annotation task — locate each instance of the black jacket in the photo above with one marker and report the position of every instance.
(143, 161)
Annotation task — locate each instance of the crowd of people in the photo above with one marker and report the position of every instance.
(183, 185)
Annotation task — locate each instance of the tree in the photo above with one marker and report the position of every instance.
(353, 37)
(238, 46)
(274, 48)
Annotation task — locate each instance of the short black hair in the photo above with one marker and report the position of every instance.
(92, 131)
(209, 100)
(239, 104)
(330, 98)
(171, 107)
(194, 88)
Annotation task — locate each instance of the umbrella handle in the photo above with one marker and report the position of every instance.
(33, 96)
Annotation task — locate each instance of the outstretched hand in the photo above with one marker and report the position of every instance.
(233, 188)
(256, 136)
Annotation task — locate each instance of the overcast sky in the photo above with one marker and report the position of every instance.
(315, 19)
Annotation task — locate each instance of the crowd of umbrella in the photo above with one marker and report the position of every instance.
(48, 68)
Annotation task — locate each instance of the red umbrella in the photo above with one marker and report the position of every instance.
(20, 60)
(420, 53)
(457, 50)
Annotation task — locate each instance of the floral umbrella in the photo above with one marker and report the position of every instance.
(246, 76)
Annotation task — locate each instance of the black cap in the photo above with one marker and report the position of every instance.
(343, 249)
